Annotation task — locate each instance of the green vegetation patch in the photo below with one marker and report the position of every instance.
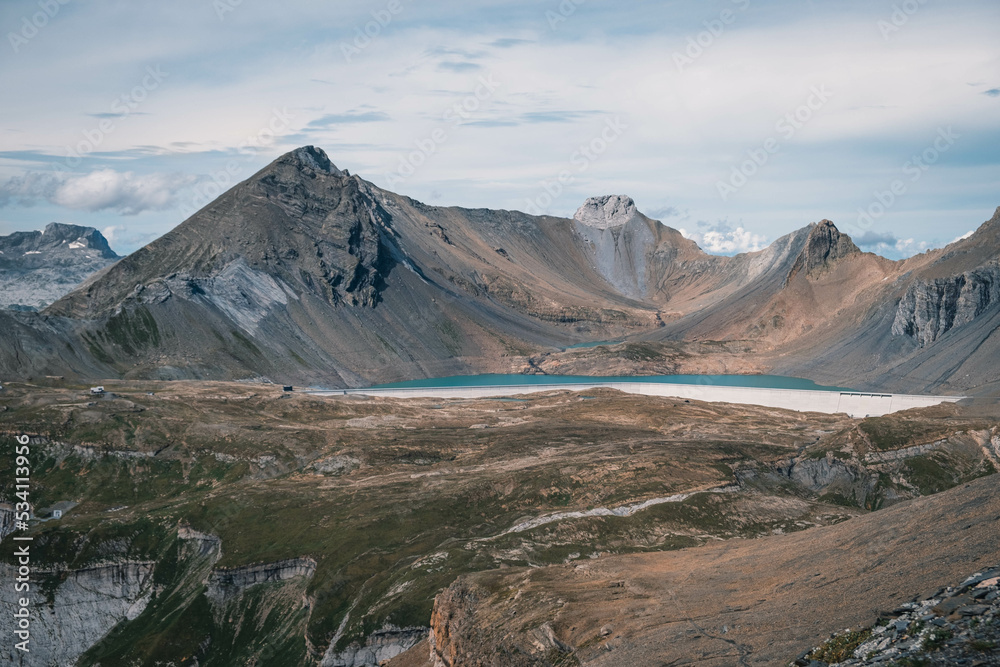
(889, 432)
(929, 475)
(841, 647)
(452, 337)
(935, 639)
(640, 352)
(133, 331)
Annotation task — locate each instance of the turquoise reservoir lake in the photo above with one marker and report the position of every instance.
(598, 343)
(760, 381)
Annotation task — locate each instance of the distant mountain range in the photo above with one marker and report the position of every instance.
(36, 268)
(306, 273)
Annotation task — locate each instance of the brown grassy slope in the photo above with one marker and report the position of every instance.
(738, 602)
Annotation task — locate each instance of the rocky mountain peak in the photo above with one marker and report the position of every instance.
(994, 222)
(307, 186)
(38, 267)
(298, 226)
(310, 158)
(826, 244)
(56, 236)
(57, 233)
(606, 212)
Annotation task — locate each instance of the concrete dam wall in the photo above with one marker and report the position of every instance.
(853, 403)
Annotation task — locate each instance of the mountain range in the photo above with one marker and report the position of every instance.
(307, 273)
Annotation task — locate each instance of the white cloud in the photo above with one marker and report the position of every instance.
(112, 232)
(120, 236)
(910, 247)
(890, 247)
(872, 239)
(723, 240)
(105, 189)
(964, 236)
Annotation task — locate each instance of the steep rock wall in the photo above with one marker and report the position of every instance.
(80, 610)
(379, 647)
(224, 584)
(930, 309)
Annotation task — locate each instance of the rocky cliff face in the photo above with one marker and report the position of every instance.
(225, 584)
(931, 308)
(867, 474)
(36, 268)
(453, 624)
(239, 602)
(380, 647)
(621, 253)
(73, 609)
(6, 520)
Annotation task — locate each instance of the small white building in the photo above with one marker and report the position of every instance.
(97, 390)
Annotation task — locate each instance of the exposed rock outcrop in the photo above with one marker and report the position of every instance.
(825, 245)
(230, 582)
(245, 295)
(955, 626)
(931, 308)
(620, 250)
(350, 231)
(832, 477)
(452, 620)
(6, 520)
(79, 607)
(381, 646)
(874, 478)
(607, 211)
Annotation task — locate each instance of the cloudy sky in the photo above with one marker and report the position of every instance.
(736, 121)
